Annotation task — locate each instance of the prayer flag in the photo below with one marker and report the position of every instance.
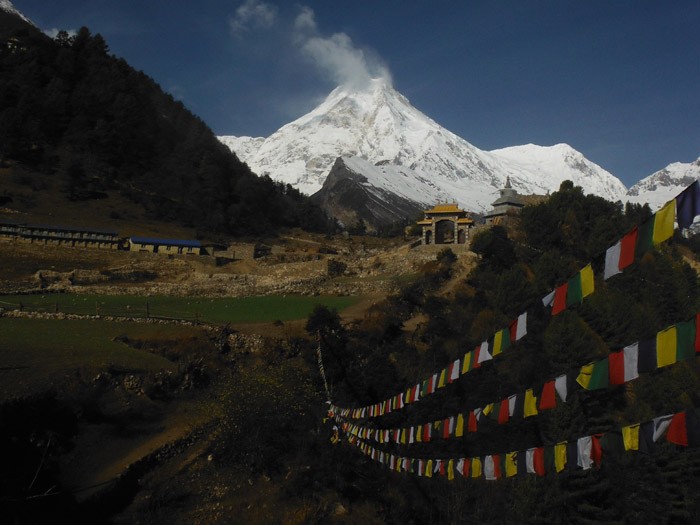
(459, 427)
(612, 260)
(645, 237)
(561, 386)
(548, 399)
(688, 205)
(511, 466)
(518, 327)
(489, 468)
(442, 382)
(663, 222)
(548, 300)
(484, 354)
(623, 365)
(451, 469)
(646, 360)
(501, 341)
(666, 347)
(560, 294)
(560, 456)
(594, 375)
(476, 467)
(472, 422)
(587, 280)
(677, 430)
(503, 412)
(530, 406)
(627, 247)
(685, 340)
(630, 437)
(584, 446)
(454, 371)
(661, 424)
(596, 450)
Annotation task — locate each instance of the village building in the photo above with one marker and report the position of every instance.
(60, 235)
(165, 246)
(445, 224)
(508, 204)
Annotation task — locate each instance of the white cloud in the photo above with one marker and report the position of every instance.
(337, 55)
(253, 14)
(54, 32)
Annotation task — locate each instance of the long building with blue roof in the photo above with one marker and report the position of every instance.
(165, 246)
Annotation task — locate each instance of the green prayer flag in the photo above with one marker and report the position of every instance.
(685, 340)
(594, 375)
(574, 295)
(645, 236)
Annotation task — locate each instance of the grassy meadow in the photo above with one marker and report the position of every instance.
(218, 310)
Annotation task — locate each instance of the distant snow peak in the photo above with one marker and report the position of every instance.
(660, 187)
(420, 160)
(7, 6)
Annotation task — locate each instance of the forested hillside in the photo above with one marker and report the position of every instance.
(552, 241)
(70, 109)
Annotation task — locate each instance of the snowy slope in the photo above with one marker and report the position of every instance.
(660, 187)
(7, 6)
(546, 168)
(380, 125)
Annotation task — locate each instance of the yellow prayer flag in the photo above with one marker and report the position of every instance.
(466, 362)
(530, 406)
(403, 436)
(587, 281)
(663, 222)
(584, 377)
(630, 437)
(487, 409)
(459, 428)
(560, 456)
(451, 469)
(511, 465)
(419, 433)
(666, 347)
(476, 467)
(441, 382)
(497, 343)
(429, 469)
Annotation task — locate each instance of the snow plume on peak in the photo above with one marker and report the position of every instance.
(336, 55)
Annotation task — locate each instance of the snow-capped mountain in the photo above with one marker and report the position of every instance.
(6, 5)
(380, 125)
(660, 187)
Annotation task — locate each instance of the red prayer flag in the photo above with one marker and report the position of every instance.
(560, 299)
(678, 431)
(426, 433)
(465, 467)
(471, 424)
(616, 368)
(548, 399)
(504, 412)
(538, 461)
(596, 449)
(627, 248)
(446, 429)
(475, 354)
(497, 464)
(513, 329)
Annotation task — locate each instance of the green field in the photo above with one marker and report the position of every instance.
(214, 310)
(38, 354)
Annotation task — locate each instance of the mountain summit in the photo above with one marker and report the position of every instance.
(378, 124)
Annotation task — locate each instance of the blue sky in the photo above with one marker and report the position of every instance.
(617, 80)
